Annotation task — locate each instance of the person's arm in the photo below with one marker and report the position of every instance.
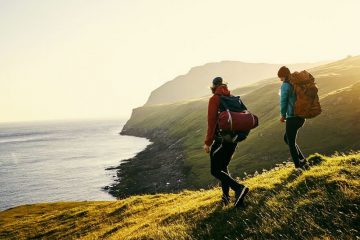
(284, 99)
(212, 119)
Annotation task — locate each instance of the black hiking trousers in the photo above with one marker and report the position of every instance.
(293, 124)
(220, 156)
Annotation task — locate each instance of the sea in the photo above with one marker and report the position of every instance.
(52, 161)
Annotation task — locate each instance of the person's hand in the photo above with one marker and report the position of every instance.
(282, 119)
(207, 148)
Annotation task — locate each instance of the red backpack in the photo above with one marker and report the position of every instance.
(234, 119)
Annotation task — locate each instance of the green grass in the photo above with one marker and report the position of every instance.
(282, 204)
(337, 128)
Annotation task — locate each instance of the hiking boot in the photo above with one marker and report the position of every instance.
(225, 199)
(304, 164)
(240, 195)
(297, 171)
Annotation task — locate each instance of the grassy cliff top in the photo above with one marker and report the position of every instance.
(282, 204)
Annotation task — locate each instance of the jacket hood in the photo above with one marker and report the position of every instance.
(222, 90)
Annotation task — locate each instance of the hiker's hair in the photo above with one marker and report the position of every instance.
(283, 72)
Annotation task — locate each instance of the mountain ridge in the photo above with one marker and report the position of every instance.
(194, 83)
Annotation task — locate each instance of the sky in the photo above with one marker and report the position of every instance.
(77, 59)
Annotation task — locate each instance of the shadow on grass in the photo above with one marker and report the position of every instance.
(235, 223)
(316, 207)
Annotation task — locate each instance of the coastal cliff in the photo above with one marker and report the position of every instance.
(158, 168)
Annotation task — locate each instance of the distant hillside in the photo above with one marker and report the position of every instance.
(322, 203)
(337, 128)
(196, 82)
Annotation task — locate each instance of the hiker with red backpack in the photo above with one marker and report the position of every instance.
(298, 101)
(229, 122)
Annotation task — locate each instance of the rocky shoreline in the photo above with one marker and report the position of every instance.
(157, 169)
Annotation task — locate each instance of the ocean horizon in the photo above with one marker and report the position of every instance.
(65, 160)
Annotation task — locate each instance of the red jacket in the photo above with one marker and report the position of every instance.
(213, 107)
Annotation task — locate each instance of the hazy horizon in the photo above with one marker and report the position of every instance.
(82, 59)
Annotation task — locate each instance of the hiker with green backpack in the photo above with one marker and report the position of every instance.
(298, 101)
(229, 122)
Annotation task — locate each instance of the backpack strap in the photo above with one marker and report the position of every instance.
(224, 104)
(227, 110)
(242, 104)
(292, 92)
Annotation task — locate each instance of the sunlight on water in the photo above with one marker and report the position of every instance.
(61, 161)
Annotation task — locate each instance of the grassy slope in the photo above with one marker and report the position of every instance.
(323, 202)
(336, 128)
